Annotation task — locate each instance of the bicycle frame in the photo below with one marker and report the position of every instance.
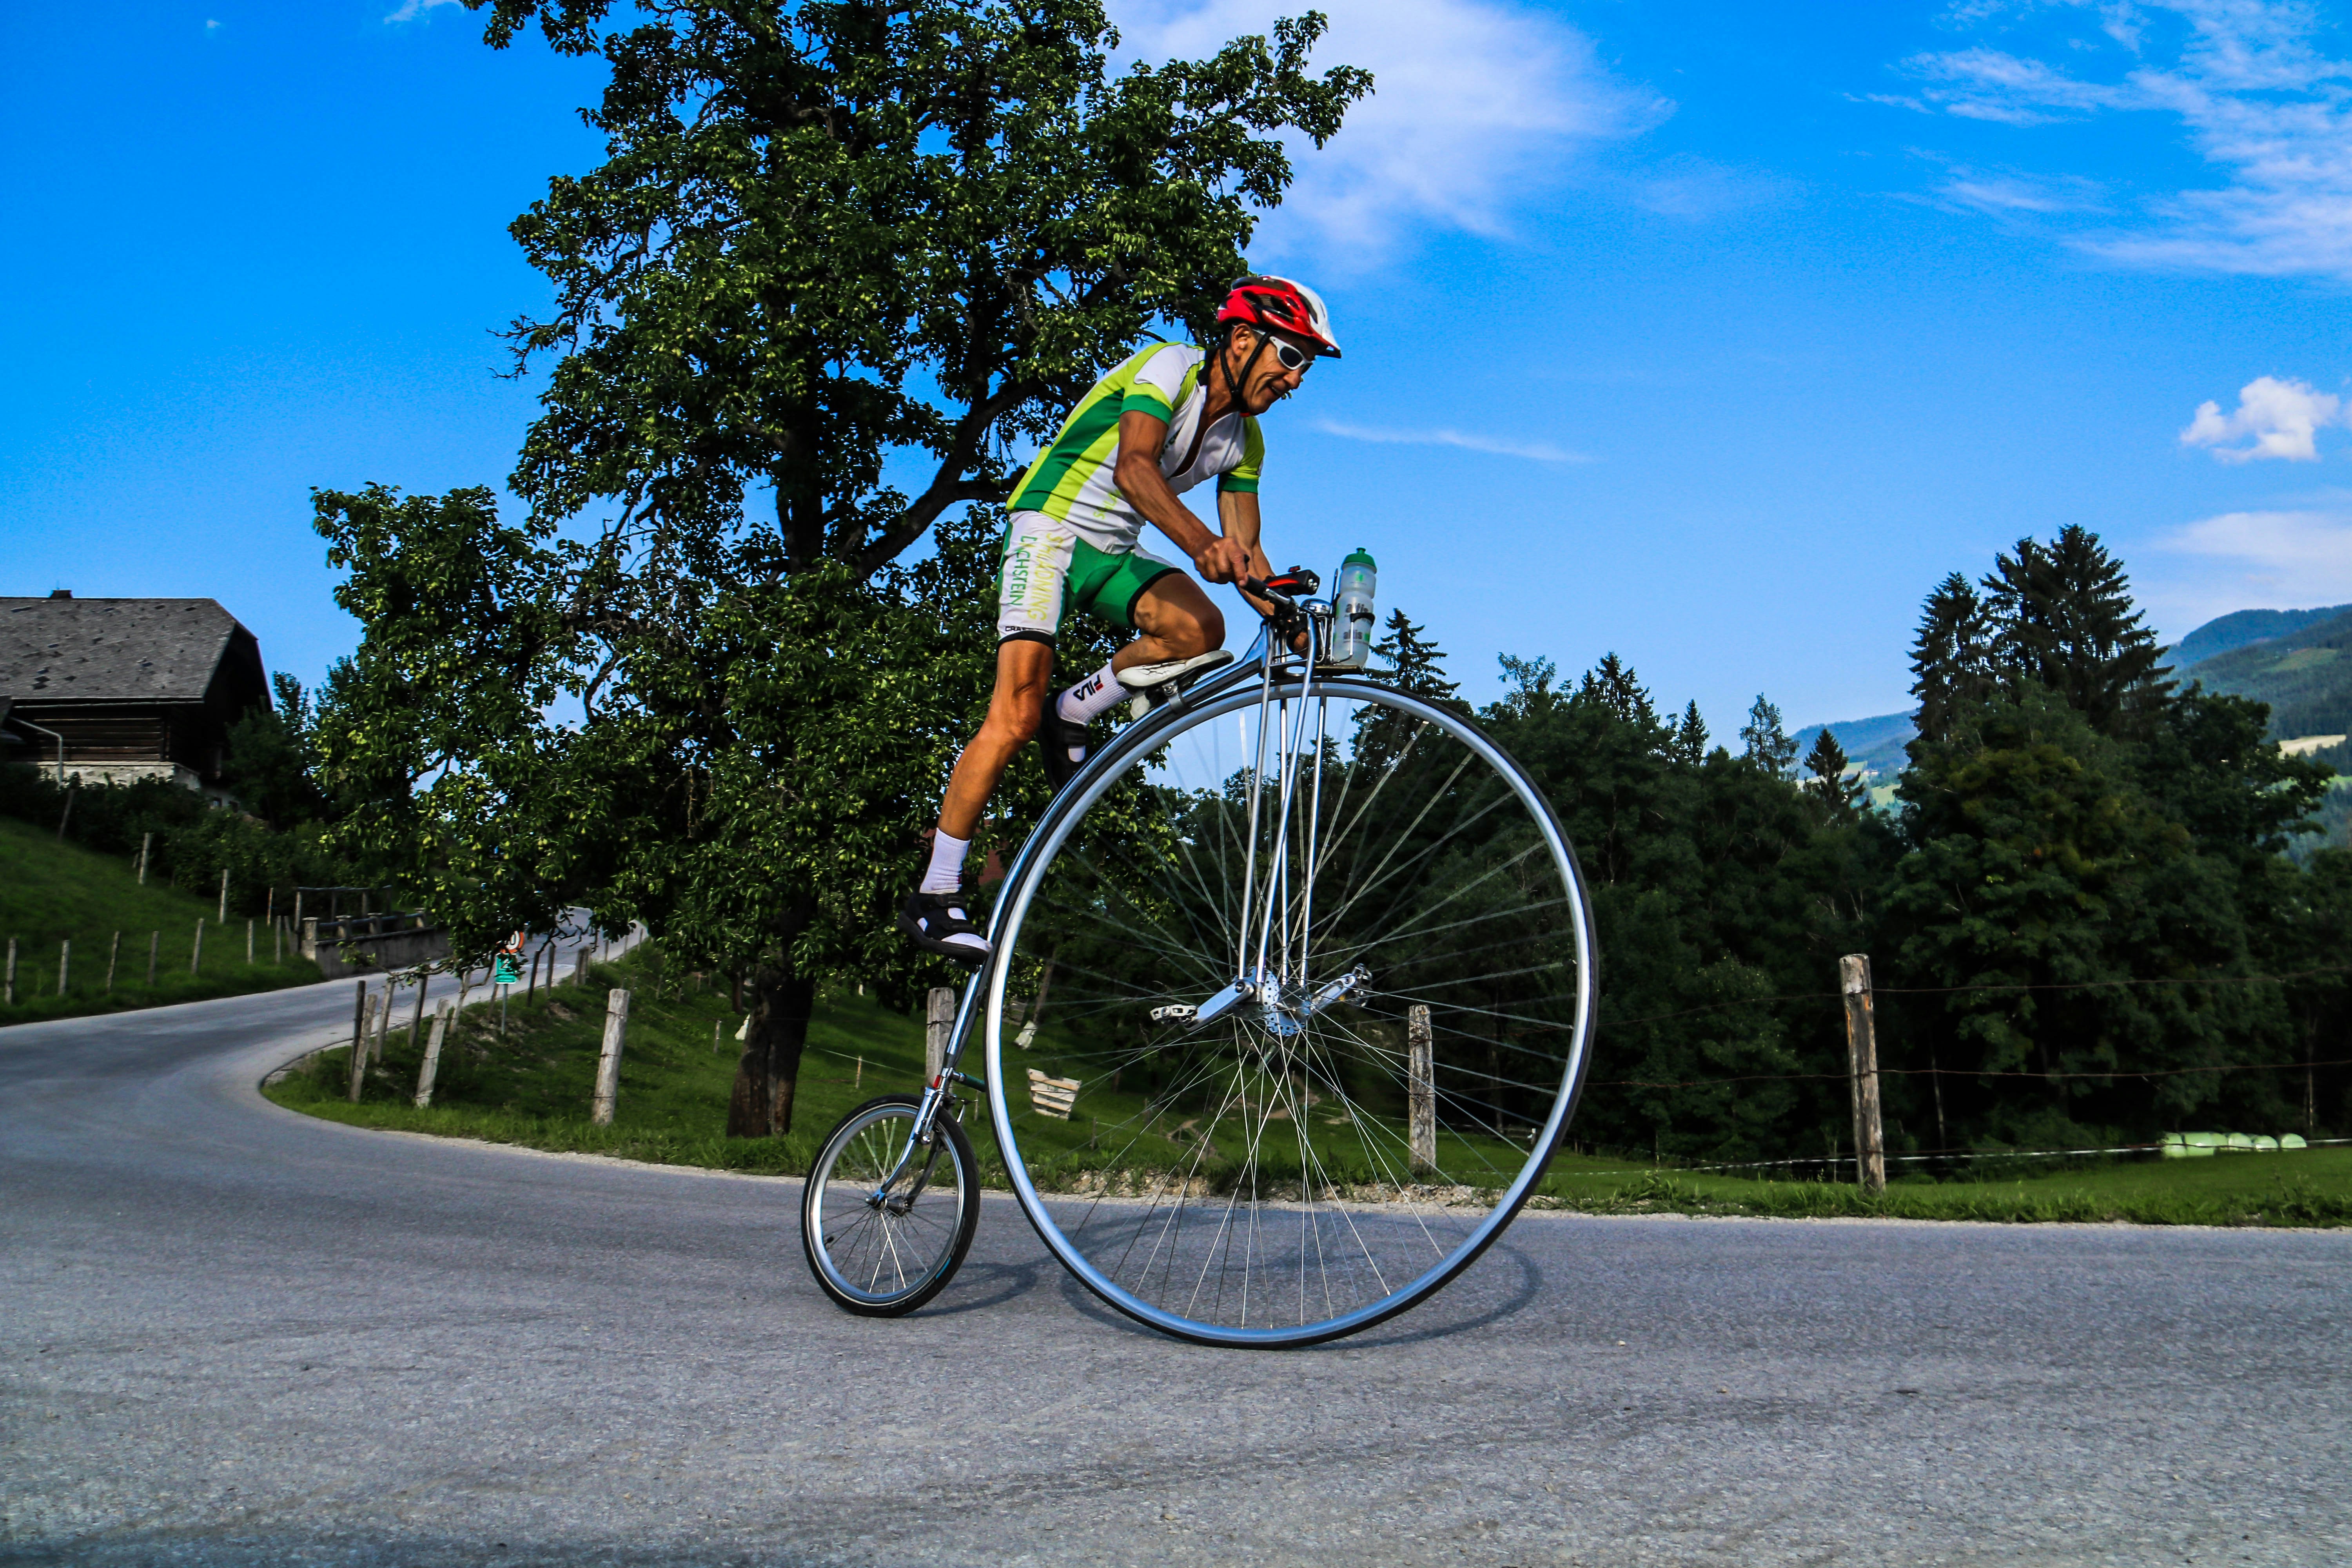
(1273, 668)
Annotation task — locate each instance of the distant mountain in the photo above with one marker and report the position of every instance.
(2304, 674)
(2242, 628)
(1876, 744)
(2298, 661)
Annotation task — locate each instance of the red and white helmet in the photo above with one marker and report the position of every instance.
(1264, 301)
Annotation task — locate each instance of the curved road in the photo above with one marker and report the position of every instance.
(235, 1335)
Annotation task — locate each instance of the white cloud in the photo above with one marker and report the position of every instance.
(2003, 193)
(2296, 557)
(2254, 95)
(1536, 451)
(2282, 417)
(410, 10)
(1475, 104)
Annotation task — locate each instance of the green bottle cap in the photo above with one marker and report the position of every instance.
(1359, 554)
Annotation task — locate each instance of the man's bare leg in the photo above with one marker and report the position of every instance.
(1174, 620)
(1025, 673)
(934, 914)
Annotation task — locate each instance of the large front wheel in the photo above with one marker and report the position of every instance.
(1293, 1004)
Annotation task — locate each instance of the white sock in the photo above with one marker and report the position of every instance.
(946, 872)
(1092, 697)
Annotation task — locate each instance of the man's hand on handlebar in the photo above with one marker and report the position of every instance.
(1223, 560)
(1274, 595)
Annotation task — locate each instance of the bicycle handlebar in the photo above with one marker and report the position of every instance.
(1286, 586)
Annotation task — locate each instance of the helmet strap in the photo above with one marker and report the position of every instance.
(1233, 387)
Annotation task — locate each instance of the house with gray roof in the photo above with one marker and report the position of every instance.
(116, 689)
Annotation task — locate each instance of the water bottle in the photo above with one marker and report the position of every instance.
(1352, 619)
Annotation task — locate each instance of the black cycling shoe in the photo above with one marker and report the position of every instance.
(1057, 738)
(938, 923)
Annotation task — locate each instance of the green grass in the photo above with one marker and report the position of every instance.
(2297, 1187)
(52, 892)
(531, 1087)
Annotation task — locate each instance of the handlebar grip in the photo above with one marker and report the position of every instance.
(1285, 585)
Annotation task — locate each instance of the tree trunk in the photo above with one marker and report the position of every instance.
(782, 1002)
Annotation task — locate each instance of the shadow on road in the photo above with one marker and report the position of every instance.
(1460, 1308)
(1001, 1283)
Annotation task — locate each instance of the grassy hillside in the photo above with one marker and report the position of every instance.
(2305, 675)
(1876, 745)
(528, 1083)
(2244, 628)
(52, 892)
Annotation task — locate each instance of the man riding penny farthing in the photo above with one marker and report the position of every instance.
(1284, 1004)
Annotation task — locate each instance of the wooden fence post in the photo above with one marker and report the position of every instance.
(224, 901)
(1421, 1078)
(65, 960)
(424, 978)
(8, 996)
(196, 950)
(382, 1020)
(359, 1040)
(277, 941)
(248, 942)
(938, 1021)
(431, 1066)
(608, 1060)
(154, 950)
(144, 840)
(1861, 1052)
(112, 953)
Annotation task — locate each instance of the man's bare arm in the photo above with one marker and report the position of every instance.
(1220, 558)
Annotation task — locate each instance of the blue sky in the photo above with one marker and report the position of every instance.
(1714, 334)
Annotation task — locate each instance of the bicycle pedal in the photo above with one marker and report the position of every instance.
(1156, 685)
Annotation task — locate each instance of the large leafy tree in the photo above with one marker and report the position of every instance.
(842, 264)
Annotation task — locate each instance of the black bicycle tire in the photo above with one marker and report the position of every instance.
(1033, 859)
(967, 1164)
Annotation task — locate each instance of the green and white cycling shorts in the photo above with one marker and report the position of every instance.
(1048, 572)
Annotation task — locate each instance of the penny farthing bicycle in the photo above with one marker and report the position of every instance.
(1292, 996)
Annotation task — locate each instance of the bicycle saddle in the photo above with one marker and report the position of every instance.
(1154, 684)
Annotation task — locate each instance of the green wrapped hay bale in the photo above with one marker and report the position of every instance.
(2264, 1144)
(2292, 1140)
(2238, 1143)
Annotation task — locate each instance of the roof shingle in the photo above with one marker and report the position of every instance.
(101, 650)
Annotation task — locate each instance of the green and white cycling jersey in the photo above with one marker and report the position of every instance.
(1071, 479)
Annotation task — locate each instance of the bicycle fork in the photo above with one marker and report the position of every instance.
(936, 1098)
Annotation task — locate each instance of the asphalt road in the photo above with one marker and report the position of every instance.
(230, 1334)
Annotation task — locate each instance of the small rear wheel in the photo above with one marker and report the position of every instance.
(886, 1221)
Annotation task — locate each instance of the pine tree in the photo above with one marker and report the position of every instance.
(1615, 687)
(1953, 659)
(1690, 737)
(2065, 618)
(1767, 745)
(1827, 762)
(1416, 664)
